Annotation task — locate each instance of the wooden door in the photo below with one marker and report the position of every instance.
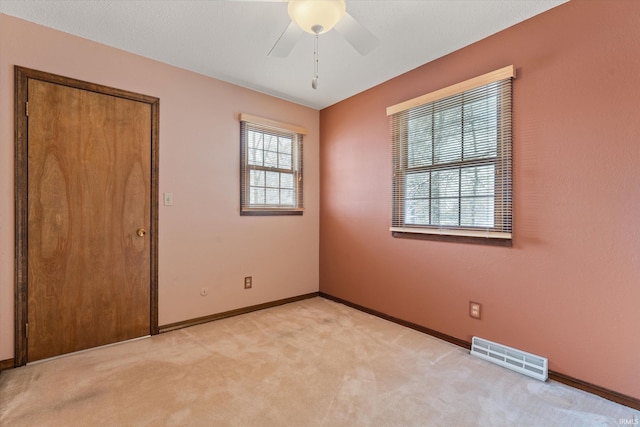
(89, 219)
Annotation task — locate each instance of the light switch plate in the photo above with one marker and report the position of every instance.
(168, 199)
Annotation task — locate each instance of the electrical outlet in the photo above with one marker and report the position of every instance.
(474, 309)
(248, 282)
(204, 292)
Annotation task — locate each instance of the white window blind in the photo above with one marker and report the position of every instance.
(270, 167)
(452, 160)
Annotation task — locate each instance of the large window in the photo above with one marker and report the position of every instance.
(452, 160)
(271, 167)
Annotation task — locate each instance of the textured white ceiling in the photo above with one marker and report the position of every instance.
(229, 40)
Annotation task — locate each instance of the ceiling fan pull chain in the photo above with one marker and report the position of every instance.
(314, 82)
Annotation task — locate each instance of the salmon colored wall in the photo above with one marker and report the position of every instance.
(203, 241)
(569, 288)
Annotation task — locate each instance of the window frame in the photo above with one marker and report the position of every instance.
(400, 114)
(278, 129)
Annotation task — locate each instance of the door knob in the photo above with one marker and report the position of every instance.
(141, 232)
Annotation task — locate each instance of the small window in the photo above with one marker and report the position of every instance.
(271, 167)
(452, 161)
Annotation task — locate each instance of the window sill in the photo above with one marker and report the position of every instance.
(270, 212)
(491, 238)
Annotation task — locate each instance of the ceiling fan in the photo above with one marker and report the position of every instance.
(318, 17)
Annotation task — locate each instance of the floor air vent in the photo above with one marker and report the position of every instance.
(516, 360)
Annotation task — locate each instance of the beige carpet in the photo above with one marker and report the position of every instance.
(309, 363)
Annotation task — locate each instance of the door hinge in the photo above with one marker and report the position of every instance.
(27, 109)
(26, 330)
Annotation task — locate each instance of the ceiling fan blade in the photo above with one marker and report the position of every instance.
(358, 36)
(286, 42)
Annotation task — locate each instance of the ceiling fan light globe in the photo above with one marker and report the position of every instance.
(309, 14)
